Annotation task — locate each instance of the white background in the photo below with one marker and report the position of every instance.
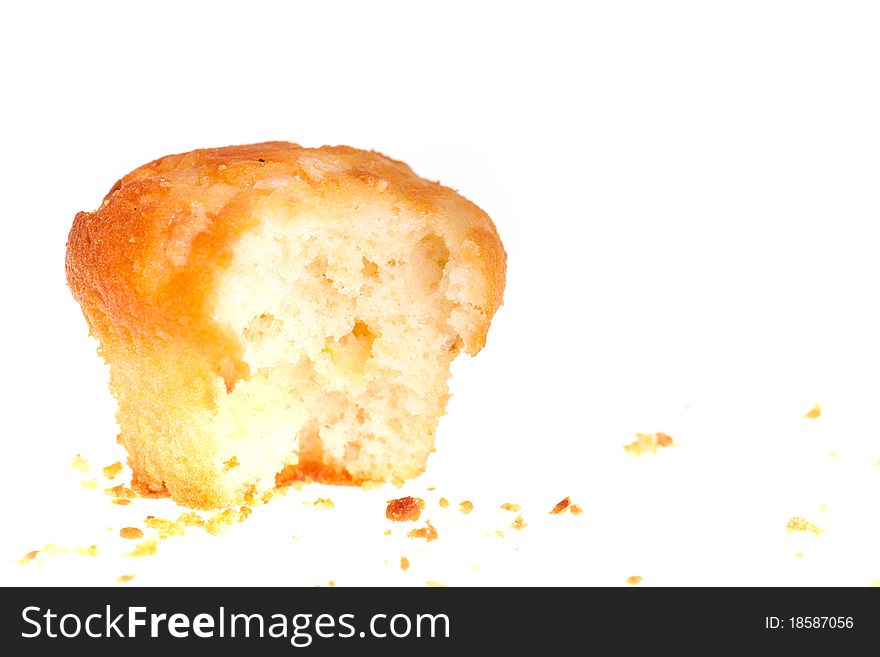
(688, 193)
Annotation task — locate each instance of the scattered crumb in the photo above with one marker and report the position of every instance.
(634, 579)
(113, 470)
(121, 494)
(122, 579)
(191, 519)
(89, 484)
(444, 503)
(133, 532)
(322, 503)
(519, 523)
(814, 412)
(30, 556)
(428, 532)
(466, 507)
(404, 509)
(52, 550)
(823, 507)
(79, 464)
(499, 533)
(798, 555)
(797, 524)
(222, 520)
(251, 492)
(561, 506)
(575, 510)
(646, 442)
(165, 527)
(431, 489)
(231, 463)
(434, 584)
(145, 548)
(510, 506)
(663, 440)
(387, 532)
(404, 564)
(331, 583)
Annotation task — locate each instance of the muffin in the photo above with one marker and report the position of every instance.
(272, 313)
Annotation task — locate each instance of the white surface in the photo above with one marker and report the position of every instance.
(688, 193)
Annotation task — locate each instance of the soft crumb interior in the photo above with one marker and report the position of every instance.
(349, 327)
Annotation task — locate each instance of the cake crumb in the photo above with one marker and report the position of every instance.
(387, 532)
(499, 533)
(510, 506)
(79, 464)
(519, 523)
(132, 532)
(323, 503)
(561, 506)
(663, 440)
(647, 442)
(122, 579)
(444, 503)
(430, 583)
(30, 556)
(331, 583)
(634, 579)
(231, 463)
(798, 555)
(121, 494)
(431, 489)
(404, 564)
(145, 548)
(798, 524)
(113, 470)
(823, 507)
(575, 510)
(88, 551)
(429, 533)
(165, 527)
(222, 520)
(52, 550)
(404, 509)
(814, 412)
(466, 507)
(89, 484)
(191, 519)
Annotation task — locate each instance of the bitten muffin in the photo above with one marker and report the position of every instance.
(272, 313)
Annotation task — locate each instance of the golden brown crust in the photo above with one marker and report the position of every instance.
(143, 262)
